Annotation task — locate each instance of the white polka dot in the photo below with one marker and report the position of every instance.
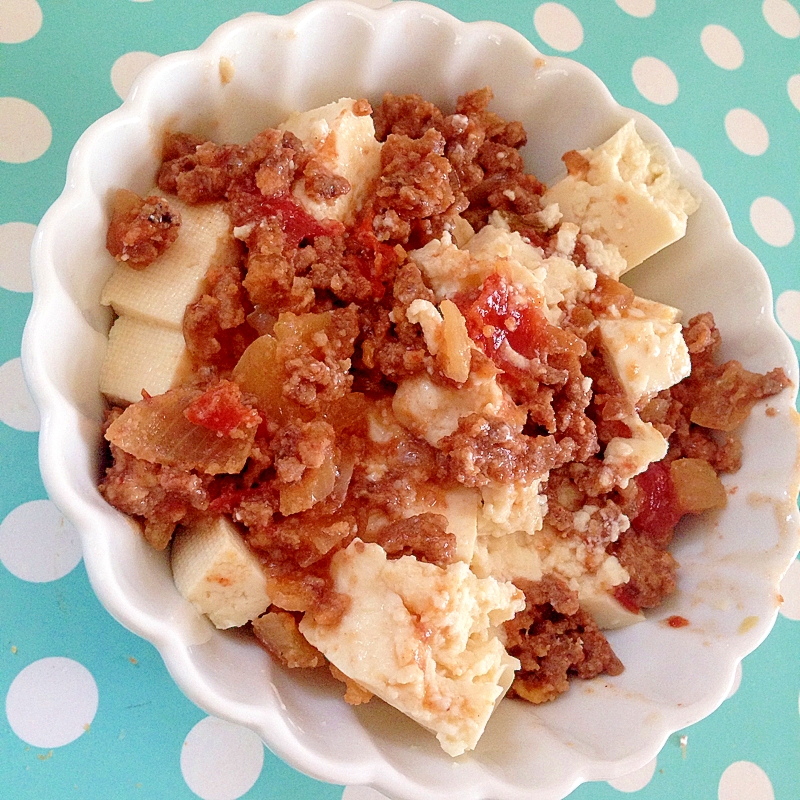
(689, 162)
(37, 544)
(790, 585)
(558, 27)
(746, 132)
(220, 760)
(782, 17)
(722, 47)
(637, 8)
(737, 681)
(127, 68)
(19, 21)
(772, 221)
(636, 780)
(15, 250)
(655, 81)
(793, 88)
(362, 793)
(374, 3)
(25, 132)
(744, 780)
(17, 408)
(51, 702)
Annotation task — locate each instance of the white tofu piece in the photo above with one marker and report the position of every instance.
(140, 356)
(433, 411)
(216, 571)
(423, 638)
(531, 556)
(627, 198)
(556, 279)
(511, 507)
(646, 354)
(652, 309)
(602, 257)
(607, 611)
(461, 510)
(160, 293)
(345, 143)
(628, 457)
(448, 269)
(507, 558)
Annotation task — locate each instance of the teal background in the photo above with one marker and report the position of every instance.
(133, 747)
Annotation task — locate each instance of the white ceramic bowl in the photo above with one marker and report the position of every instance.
(731, 564)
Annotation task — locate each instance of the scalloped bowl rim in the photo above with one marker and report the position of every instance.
(69, 426)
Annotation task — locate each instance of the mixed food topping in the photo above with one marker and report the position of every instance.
(384, 397)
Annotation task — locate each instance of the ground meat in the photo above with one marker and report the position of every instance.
(405, 115)
(317, 370)
(554, 639)
(418, 195)
(307, 590)
(141, 229)
(322, 184)
(160, 495)
(214, 326)
(486, 449)
(199, 172)
(424, 536)
(301, 540)
(301, 445)
(652, 571)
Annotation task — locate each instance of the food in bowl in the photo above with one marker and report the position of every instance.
(385, 398)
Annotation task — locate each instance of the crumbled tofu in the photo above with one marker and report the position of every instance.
(509, 507)
(345, 144)
(427, 316)
(603, 258)
(549, 281)
(423, 638)
(645, 354)
(217, 572)
(550, 216)
(564, 282)
(447, 268)
(433, 411)
(627, 458)
(626, 197)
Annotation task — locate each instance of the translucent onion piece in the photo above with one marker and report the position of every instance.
(155, 429)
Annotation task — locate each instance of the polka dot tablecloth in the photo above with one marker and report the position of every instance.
(89, 710)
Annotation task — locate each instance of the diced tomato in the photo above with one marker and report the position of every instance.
(296, 223)
(499, 313)
(377, 258)
(627, 597)
(220, 409)
(659, 510)
(676, 621)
